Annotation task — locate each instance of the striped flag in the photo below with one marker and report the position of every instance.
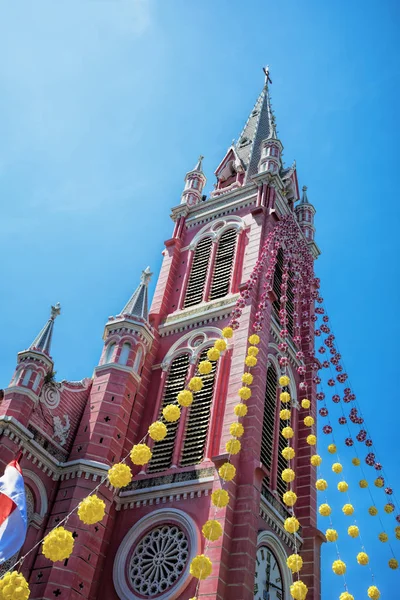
(13, 515)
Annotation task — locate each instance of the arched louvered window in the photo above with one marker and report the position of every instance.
(27, 376)
(109, 353)
(138, 359)
(163, 451)
(267, 440)
(198, 420)
(277, 291)
(281, 486)
(124, 355)
(221, 277)
(198, 274)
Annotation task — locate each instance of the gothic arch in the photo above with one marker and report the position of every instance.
(192, 343)
(40, 496)
(269, 539)
(216, 229)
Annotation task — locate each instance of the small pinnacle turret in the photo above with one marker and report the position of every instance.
(195, 181)
(42, 341)
(305, 216)
(138, 305)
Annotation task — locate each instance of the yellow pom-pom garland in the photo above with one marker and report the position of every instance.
(379, 482)
(393, 564)
(305, 403)
(213, 354)
(316, 460)
(373, 593)
(240, 410)
(331, 535)
(236, 429)
(356, 462)
(294, 562)
(284, 380)
(321, 485)
(227, 332)
(291, 525)
(196, 384)
(289, 498)
(324, 510)
(362, 558)
(298, 590)
(247, 378)
(233, 446)
(373, 511)
(284, 414)
(342, 486)
(311, 440)
(252, 351)
(383, 537)
(91, 510)
(337, 468)
(58, 544)
(348, 509)
(339, 567)
(140, 454)
(157, 431)
(220, 345)
(287, 433)
(284, 397)
(119, 475)
(171, 413)
(388, 508)
(353, 531)
(201, 567)
(13, 586)
(205, 367)
(250, 361)
(346, 596)
(244, 393)
(288, 475)
(288, 453)
(363, 483)
(332, 449)
(254, 339)
(308, 421)
(220, 498)
(185, 398)
(227, 471)
(397, 532)
(212, 530)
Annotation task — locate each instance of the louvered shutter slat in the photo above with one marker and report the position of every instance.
(223, 265)
(198, 274)
(269, 420)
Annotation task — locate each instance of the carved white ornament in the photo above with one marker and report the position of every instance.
(50, 396)
(61, 431)
(158, 560)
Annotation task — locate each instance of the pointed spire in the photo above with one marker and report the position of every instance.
(199, 165)
(304, 198)
(42, 341)
(137, 305)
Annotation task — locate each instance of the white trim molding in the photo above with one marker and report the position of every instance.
(159, 517)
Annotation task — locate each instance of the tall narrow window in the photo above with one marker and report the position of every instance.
(124, 355)
(267, 440)
(138, 359)
(223, 264)
(278, 292)
(163, 451)
(109, 353)
(199, 420)
(27, 377)
(198, 274)
(36, 382)
(281, 485)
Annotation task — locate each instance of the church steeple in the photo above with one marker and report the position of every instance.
(138, 305)
(42, 341)
(305, 212)
(195, 181)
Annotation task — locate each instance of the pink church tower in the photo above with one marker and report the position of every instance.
(152, 529)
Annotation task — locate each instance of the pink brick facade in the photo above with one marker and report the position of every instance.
(70, 433)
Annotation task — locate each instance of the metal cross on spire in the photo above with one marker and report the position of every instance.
(267, 77)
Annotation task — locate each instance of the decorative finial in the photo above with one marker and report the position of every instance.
(267, 77)
(199, 166)
(55, 311)
(146, 276)
(304, 188)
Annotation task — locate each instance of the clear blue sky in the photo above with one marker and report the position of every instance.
(105, 104)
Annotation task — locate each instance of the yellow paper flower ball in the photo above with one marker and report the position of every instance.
(353, 531)
(337, 468)
(289, 498)
(240, 410)
(247, 378)
(227, 332)
(348, 509)
(288, 453)
(220, 498)
(233, 446)
(201, 567)
(220, 345)
(141, 454)
(119, 475)
(171, 413)
(362, 558)
(58, 544)
(227, 471)
(305, 403)
(298, 590)
(373, 593)
(13, 586)
(157, 431)
(213, 354)
(205, 367)
(379, 482)
(244, 393)
(321, 485)
(284, 380)
(373, 511)
(331, 448)
(250, 361)
(331, 535)
(291, 525)
(284, 397)
(254, 339)
(91, 510)
(212, 530)
(383, 537)
(294, 562)
(393, 564)
(311, 440)
(324, 510)
(342, 486)
(185, 397)
(308, 421)
(388, 508)
(252, 351)
(287, 433)
(236, 429)
(288, 475)
(316, 460)
(346, 596)
(196, 384)
(285, 414)
(397, 533)
(339, 567)
(356, 462)
(363, 483)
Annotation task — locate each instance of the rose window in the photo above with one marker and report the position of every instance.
(158, 560)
